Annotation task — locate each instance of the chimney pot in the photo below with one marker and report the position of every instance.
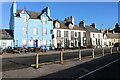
(93, 25)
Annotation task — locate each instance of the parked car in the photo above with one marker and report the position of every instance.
(117, 44)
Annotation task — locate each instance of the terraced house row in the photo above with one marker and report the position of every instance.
(38, 29)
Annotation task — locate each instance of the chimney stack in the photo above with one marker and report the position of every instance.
(117, 25)
(93, 25)
(70, 19)
(102, 30)
(106, 31)
(14, 1)
(82, 24)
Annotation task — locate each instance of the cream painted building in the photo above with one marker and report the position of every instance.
(111, 36)
(93, 35)
(106, 41)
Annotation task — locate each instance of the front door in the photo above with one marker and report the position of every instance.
(35, 43)
(79, 43)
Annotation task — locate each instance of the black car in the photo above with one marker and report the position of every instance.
(117, 44)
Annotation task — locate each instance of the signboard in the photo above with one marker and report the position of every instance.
(60, 38)
(35, 38)
(58, 41)
(72, 41)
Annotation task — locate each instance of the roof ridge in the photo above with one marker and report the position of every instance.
(29, 11)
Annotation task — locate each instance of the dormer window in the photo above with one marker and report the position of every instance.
(44, 20)
(57, 25)
(70, 26)
(24, 18)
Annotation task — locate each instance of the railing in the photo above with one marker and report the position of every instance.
(72, 55)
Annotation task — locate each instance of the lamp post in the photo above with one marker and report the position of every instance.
(101, 26)
(100, 38)
(27, 32)
(16, 42)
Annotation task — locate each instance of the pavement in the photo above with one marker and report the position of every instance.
(69, 70)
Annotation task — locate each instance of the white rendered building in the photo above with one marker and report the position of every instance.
(66, 34)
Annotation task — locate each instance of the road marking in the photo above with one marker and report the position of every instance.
(97, 69)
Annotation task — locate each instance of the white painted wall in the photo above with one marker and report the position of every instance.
(69, 36)
(6, 43)
(96, 37)
(106, 41)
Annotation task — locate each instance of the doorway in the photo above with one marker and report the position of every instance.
(35, 43)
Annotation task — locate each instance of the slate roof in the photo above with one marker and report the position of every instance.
(91, 29)
(116, 30)
(64, 25)
(6, 34)
(113, 36)
(32, 14)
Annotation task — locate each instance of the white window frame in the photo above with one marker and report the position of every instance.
(30, 42)
(76, 34)
(93, 35)
(24, 42)
(44, 21)
(98, 35)
(65, 33)
(44, 31)
(35, 31)
(24, 18)
(57, 25)
(44, 42)
(24, 30)
(58, 33)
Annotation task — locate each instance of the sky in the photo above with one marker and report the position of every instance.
(105, 13)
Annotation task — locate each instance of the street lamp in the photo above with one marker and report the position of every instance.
(16, 42)
(101, 26)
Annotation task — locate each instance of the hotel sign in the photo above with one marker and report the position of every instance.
(35, 38)
(60, 38)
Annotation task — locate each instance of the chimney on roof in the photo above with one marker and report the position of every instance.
(110, 29)
(65, 19)
(106, 31)
(117, 25)
(102, 30)
(93, 25)
(70, 19)
(47, 11)
(14, 1)
(82, 24)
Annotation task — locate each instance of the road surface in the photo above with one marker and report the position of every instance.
(104, 68)
(24, 62)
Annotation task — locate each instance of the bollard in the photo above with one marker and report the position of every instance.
(111, 50)
(103, 52)
(117, 48)
(61, 57)
(93, 53)
(36, 60)
(80, 55)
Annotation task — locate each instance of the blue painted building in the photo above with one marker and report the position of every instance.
(31, 29)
